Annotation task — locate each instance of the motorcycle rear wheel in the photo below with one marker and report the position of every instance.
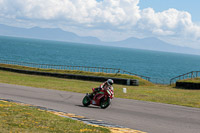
(104, 103)
(86, 101)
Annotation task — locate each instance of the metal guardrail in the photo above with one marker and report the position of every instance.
(69, 67)
(122, 81)
(129, 73)
(191, 75)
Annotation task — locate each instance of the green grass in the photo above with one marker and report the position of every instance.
(18, 118)
(141, 81)
(154, 93)
(194, 80)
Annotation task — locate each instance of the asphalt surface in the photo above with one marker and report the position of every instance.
(139, 115)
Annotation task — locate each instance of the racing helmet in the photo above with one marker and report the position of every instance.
(109, 81)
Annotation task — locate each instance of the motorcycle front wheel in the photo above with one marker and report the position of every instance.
(86, 101)
(104, 103)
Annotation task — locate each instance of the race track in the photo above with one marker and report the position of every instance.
(144, 116)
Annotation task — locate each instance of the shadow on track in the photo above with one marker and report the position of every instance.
(94, 107)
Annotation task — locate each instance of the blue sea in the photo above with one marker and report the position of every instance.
(154, 64)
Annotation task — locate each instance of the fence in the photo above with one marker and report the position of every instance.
(192, 74)
(69, 67)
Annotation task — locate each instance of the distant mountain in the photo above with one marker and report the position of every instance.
(47, 34)
(154, 44)
(60, 35)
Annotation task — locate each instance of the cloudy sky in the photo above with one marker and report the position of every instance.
(174, 21)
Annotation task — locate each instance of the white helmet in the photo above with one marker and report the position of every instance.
(109, 81)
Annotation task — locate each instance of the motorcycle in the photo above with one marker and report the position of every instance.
(102, 98)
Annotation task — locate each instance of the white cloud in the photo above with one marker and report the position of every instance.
(107, 15)
(112, 12)
(168, 21)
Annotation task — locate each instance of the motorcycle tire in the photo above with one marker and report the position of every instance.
(104, 104)
(86, 101)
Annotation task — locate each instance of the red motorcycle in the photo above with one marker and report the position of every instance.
(101, 99)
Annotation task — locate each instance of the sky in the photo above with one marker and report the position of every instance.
(173, 21)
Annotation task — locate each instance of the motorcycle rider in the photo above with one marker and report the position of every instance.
(106, 85)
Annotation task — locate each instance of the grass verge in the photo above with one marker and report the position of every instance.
(154, 93)
(141, 81)
(18, 118)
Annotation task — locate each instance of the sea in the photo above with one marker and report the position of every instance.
(154, 64)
